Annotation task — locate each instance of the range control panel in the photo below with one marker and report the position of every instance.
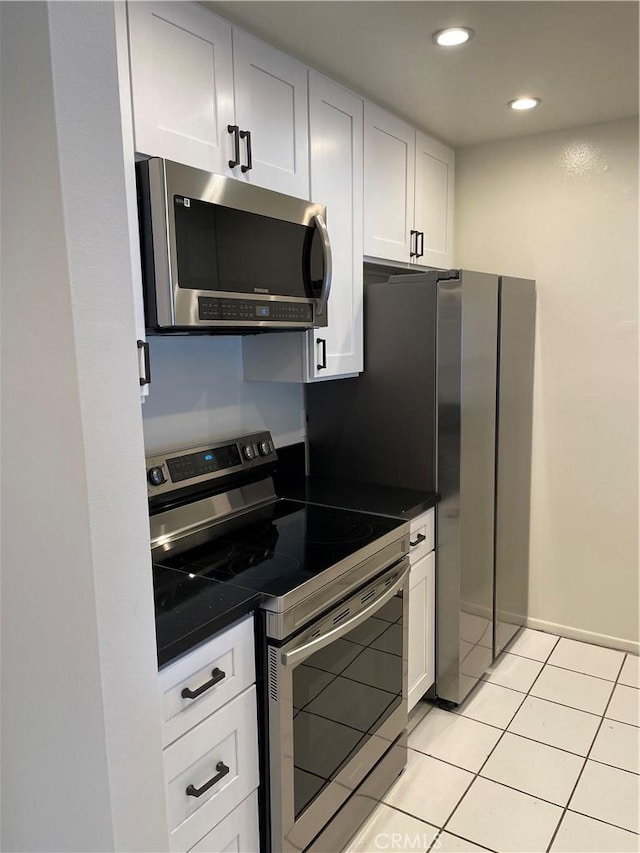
(207, 462)
(247, 310)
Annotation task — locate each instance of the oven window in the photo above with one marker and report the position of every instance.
(220, 248)
(341, 695)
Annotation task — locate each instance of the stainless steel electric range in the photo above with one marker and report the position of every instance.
(330, 590)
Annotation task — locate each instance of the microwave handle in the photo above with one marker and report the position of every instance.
(328, 264)
(296, 656)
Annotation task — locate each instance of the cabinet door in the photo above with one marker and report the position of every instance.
(389, 163)
(219, 755)
(434, 201)
(124, 87)
(335, 131)
(271, 103)
(182, 83)
(237, 833)
(421, 627)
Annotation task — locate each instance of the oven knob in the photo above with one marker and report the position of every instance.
(247, 450)
(264, 447)
(156, 476)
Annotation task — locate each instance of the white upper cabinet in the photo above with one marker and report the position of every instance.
(271, 112)
(434, 201)
(389, 164)
(335, 130)
(204, 92)
(182, 83)
(335, 122)
(408, 192)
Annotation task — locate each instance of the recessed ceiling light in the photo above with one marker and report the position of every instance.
(452, 36)
(524, 103)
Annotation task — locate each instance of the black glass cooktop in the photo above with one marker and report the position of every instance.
(279, 547)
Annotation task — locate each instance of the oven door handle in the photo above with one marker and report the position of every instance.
(328, 262)
(296, 656)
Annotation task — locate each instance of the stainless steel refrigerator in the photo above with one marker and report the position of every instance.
(445, 404)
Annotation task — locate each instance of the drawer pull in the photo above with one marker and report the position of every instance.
(222, 769)
(217, 675)
(420, 538)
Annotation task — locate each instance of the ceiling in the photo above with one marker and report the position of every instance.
(581, 58)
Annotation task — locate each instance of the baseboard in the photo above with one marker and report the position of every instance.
(585, 636)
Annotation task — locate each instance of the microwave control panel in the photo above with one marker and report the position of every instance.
(247, 310)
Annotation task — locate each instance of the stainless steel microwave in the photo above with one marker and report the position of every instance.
(220, 255)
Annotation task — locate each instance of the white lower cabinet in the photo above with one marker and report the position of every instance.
(237, 833)
(199, 683)
(422, 589)
(210, 730)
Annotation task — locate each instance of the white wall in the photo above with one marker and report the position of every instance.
(198, 393)
(81, 747)
(563, 208)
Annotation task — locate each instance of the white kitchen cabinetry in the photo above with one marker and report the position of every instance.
(214, 97)
(210, 737)
(408, 192)
(237, 833)
(271, 108)
(182, 83)
(421, 608)
(434, 201)
(335, 121)
(389, 179)
(124, 87)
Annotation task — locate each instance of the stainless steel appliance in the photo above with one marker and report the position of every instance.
(445, 403)
(331, 591)
(221, 255)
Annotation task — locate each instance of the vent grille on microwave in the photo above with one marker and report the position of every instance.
(273, 674)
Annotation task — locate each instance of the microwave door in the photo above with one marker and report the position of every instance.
(228, 256)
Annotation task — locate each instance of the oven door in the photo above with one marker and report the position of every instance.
(230, 255)
(337, 702)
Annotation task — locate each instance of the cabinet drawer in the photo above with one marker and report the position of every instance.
(237, 833)
(222, 747)
(423, 535)
(231, 652)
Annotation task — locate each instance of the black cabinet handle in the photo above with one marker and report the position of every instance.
(235, 130)
(222, 769)
(323, 344)
(246, 134)
(421, 253)
(420, 538)
(413, 234)
(146, 379)
(217, 675)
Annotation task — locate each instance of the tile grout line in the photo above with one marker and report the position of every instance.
(605, 822)
(504, 731)
(577, 782)
(555, 666)
(543, 699)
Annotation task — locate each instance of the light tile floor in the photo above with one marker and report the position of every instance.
(544, 755)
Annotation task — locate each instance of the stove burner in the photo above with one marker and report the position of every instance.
(263, 563)
(331, 528)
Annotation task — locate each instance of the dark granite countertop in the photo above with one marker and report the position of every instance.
(189, 610)
(406, 504)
